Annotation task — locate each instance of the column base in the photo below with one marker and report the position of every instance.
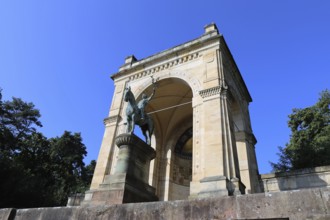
(218, 186)
(235, 187)
(120, 189)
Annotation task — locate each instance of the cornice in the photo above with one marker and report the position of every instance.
(131, 140)
(210, 92)
(134, 66)
(230, 62)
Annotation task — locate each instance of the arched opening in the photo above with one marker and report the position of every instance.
(245, 145)
(181, 172)
(237, 115)
(171, 111)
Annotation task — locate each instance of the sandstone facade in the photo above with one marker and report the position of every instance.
(199, 88)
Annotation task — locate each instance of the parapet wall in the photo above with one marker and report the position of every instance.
(297, 179)
(307, 204)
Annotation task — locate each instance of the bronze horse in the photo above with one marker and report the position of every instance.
(133, 116)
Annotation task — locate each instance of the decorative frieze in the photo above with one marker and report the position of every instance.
(210, 92)
(164, 66)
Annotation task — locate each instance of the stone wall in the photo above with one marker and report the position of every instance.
(298, 179)
(7, 214)
(181, 171)
(307, 204)
(180, 178)
(75, 199)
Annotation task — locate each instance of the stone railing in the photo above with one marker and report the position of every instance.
(298, 179)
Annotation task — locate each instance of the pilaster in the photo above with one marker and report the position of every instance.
(219, 153)
(247, 161)
(106, 152)
(108, 148)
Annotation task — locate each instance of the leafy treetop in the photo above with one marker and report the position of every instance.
(309, 144)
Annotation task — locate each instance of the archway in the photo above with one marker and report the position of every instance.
(181, 167)
(171, 110)
(202, 70)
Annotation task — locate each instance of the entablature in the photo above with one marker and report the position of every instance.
(168, 58)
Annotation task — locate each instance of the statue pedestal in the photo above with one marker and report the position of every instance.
(129, 183)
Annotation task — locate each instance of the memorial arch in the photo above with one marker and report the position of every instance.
(203, 136)
(172, 113)
(171, 109)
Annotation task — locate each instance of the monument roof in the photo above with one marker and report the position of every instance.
(211, 33)
(131, 63)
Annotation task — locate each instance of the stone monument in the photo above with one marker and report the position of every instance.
(198, 126)
(128, 184)
(199, 143)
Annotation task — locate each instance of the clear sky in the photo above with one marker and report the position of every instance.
(60, 54)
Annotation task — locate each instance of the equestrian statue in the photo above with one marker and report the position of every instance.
(135, 113)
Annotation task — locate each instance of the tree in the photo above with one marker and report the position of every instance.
(18, 120)
(309, 144)
(88, 173)
(33, 184)
(21, 153)
(36, 171)
(67, 153)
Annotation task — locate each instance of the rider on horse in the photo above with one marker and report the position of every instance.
(143, 102)
(135, 113)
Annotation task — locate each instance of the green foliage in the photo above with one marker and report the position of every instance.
(67, 153)
(18, 120)
(36, 171)
(309, 144)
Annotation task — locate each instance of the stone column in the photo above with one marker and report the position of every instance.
(247, 161)
(220, 163)
(231, 165)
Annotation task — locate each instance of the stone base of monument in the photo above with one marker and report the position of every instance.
(302, 204)
(129, 183)
(218, 186)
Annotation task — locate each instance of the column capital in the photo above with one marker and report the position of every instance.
(139, 145)
(111, 120)
(245, 136)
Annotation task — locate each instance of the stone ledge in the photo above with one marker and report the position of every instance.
(320, 169)
(298, 179)
(309, 204)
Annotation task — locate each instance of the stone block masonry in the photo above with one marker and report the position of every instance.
(199, 87)
(307, 204)
(298, 179)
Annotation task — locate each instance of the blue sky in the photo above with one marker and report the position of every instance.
(60, 54)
